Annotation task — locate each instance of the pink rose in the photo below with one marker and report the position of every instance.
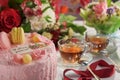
(28, 12)
(100, 8)
(9, 18)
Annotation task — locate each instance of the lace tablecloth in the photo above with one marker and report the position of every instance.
(115, 57)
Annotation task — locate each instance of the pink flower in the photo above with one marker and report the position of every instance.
(83, 3)
(100, 8)
(38, 12)
(38, 3)
(28, 12)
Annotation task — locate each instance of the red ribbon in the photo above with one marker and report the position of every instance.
(106, 70)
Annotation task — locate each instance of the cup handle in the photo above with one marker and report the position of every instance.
(88, 47)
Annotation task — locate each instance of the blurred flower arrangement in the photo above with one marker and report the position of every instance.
(42, 16)
(103, 15)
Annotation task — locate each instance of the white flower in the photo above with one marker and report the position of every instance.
(49, 12)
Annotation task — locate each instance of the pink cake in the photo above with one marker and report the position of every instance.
(43, 65)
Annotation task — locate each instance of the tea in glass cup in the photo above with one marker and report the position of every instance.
(71, 50)
(99, 42)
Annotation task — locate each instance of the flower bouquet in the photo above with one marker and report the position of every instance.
(42, 16)
(103, 15)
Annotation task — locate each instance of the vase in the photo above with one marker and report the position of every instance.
(114, 35)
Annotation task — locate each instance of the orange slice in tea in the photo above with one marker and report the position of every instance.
(71, 49)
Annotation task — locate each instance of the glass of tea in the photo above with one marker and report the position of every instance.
(98, 41)
(71, 50)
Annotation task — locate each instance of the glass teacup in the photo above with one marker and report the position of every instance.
(98, 41)
(71, 50)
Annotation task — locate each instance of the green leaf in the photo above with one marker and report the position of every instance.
(44, 1)
(30, 4)
(77, 28)
(109, 2)
(41, 31)
(66, 18)
(26, 27)
(14, 4)
(48, 18)
(16, 1)
(84, 13)
(107, 27)
(19, 1)
(46, 9)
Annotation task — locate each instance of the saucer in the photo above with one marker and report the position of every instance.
(84, 60)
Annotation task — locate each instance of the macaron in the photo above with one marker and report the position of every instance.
(4, 41)
(27, 58)
(20, 35)
(17, 35)
(18, 58)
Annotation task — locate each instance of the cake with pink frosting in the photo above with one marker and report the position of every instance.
(28, 56)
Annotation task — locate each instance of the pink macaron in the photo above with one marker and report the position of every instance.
(4, 41)
(18, 58)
